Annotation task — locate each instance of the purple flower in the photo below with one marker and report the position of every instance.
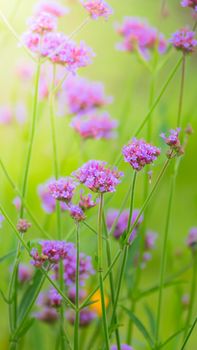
(150, 239)
(184, 40)
(138, 153)
(98, 177)
(72, 294)
(97, 8)
(49, 298)
(83, 95)
(6, 115)
(85, 268)
(1, 220)
(76, 212)
(123, 347)
(25, 273)
(192, 238)
(23, 225)
(122, 223)
(86, 202)
(85, 318)
(42, 23)
(173, 142)
(189, 3)
(138, 35)
(95, 126)
(51, 7)
(48, 202)
(62, 189)
(47, 314)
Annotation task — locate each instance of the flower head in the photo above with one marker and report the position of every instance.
(184, 40)
(83, 95)
(62, 189)
(48, 201)
(122, 222)
(42, 23)
(86, 202)
(95, 126)
(50, 298)
(51, 7)
(192, 238)
(85, 318)
(173, 141)
(150, 239)
(139, 153)
(189, 3)
(98, 177)
(123, 347)
(47, 314)
(139, 36)
(23, 225)
(76, 212)
(25, 273)
(97, 8)
(6, 115)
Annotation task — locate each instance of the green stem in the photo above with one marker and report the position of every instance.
(111, 281)
(77, 312)
(100, 272)
(189, 334)
(181, 92)
(192, 294)
(125, 253)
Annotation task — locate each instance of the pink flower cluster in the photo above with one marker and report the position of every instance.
(192, 237)
(138, 153)
(48, 201)
(25, 273)
(97, 8)
(86, 202)
(149, 245)
(52, 7)
(83, 95)
(95, 126)
(62, 189)
(98, 177)
(123, 347)
(189, 3)
(184, 40)
(138, 35)
(42, 23)
(76, 212)
(122, 222)
(173, 142)
(85, 318)
(23, 225)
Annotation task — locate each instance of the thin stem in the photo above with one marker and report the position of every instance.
(111, 281)
(192, 294)
(77, 312)
(125, 253)
(163, 260)
(189, 334)
(181, 91)
(100, 272)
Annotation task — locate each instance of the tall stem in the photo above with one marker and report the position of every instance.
(100, 272)
(125, 252)
(77, 312)
(181, 92)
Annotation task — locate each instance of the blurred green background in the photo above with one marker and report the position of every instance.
(128, 82)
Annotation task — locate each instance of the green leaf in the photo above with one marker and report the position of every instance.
(140, 327)
(7, 256)
(26, 327)
(151, 318)
(174, 335)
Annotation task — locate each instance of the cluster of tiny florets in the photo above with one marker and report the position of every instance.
(86, 316)
(139, 36)
(86, 202)
(173, 141)
(184, 40)
(139, 153)
(62, 189)
(192, 238)
(23, 225)
(48, 201)
(76, 212)
(51, 7)
(98, 177)
(95, 126)
(97, 8)
(25, 273)
(189, 3)
(42, 23)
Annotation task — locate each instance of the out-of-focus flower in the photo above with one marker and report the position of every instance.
(23, 225)
(42, 23)
(95, 126)
(192, 238)
(52, 7)
(50, 298)
(25, 273)
(6, 115)
(76, 212)
(150, 239)
(62, 189)
(21, 113)
(139, 153)
(83, 95)
(189, 3)
(17, 203)
(97, 8)
(48, 202)
(72, 294)
(123, 347)
(86, 202)
(47, 314)
(185, 300)
(173, 142)
(122, 222)
(138, 35)
(184, 40)
(85, 318)
(98, 177)
(1, 220)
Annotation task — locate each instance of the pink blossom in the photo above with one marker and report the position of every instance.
(62, 189)
(25, 273)
(23, 225)
(85, 318)
(6, 115)
(97, 8)
(189, 3)
(52, 7)
(184, 40)
(86, 202)
(192, 237)
(42, 23)
(17, 203)
(76, 212)
(48, 202)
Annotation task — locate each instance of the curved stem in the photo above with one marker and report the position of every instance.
(100, 272)
(77, 312)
